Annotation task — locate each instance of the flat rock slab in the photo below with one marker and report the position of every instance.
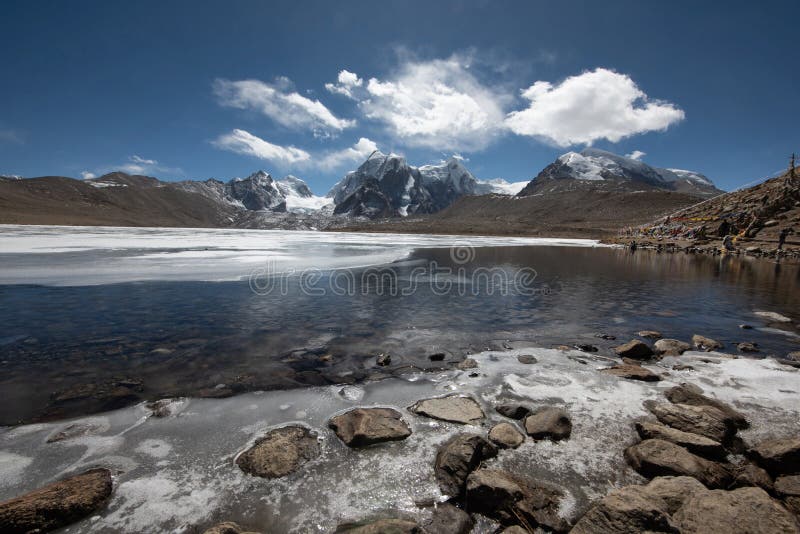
(693, 395)
(365, 426)
(632, 372)
(549, 423)
(656, 457)
(694, 443)
(453, 408)
(649, 334)
(706, 421)
(506, 436)
(280, 452)
(457, 458)
(58, 504)
(744, 510)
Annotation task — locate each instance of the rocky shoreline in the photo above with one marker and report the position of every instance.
(701, 473)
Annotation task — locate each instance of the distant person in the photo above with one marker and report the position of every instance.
(633, 246)
(782, 237)
(727, 243)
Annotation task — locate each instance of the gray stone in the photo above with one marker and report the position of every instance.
(779, 456)
(513, 410)
(706, 421)
(457, 458)
(506, 436)
(741, 511)
(549, 423)
(693, 395)
(694, 443)
(632, 372)
(448, 519)
(634, 349)
(671, 347)
(656, 457)
(280, 452)
(705, 343)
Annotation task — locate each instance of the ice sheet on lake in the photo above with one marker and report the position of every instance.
(69, 255)
(178, 473)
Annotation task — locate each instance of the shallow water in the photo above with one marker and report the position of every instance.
(180, 335)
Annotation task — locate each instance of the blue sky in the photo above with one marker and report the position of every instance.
(184, 89)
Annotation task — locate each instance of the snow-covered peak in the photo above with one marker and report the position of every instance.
(451, 172)
(687, 175)
(293, 186)
(498, 186)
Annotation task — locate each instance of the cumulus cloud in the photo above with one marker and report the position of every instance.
(86, 175)
(347, 82)
(282, 104)
(243, 142)
(636, 154)
(437, 104)
(355, 154)
(599, 104)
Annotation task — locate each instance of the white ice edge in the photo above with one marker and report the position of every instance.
(68, 255)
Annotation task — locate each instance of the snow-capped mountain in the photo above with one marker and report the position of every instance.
(10, 177)
(386, 185)
(600, 170)
(299, 198)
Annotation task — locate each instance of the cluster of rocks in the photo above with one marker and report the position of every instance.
(704, 477)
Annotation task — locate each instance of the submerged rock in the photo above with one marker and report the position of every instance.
(448, 519)
(468, 363)
(74, 430)
(383, 360)
(513, 410)
(364, 426)
(635, 349)
(694, 443)
(744, 510)
(779, 456)
(706, 421)
(705, 343)
(746, 346)
(671, 347)
(693, 395)
(457, 458)
(58, 504)
(512, 500)
(506, 436)
(656, 457)
(526, 359)
(773, 316)
(280, 452)
(381, 526)
(632, 372)
(453, 408)
(549, 423)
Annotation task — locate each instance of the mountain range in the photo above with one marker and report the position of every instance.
(382, 187)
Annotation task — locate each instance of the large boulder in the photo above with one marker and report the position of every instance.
(705, 343)
(549, 423)
(694, 443)
(703, 420)
(747, 474)
(448, 519)
(453, 408)
(364, 426)
(506, 436)
(280, 452)
(380, 526)
(512, 500)
(58, 504)
(635, 349)
(741, 511)
(693, 395)
(656, 457)
(671, 347)
(632, 372)
(457, 458)
(779, 456)
(635, 509)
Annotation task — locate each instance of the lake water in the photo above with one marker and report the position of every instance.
(215, 312)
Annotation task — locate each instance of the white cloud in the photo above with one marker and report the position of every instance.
(600, 104)
(437, 104)
(347, 81)
(636, 154)
(243, 142)
(143, 166)
(11, 136)
(86, 175)
(354, 154)
(280, 103)
(142, 161)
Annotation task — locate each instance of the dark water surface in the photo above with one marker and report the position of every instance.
(68, 350)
